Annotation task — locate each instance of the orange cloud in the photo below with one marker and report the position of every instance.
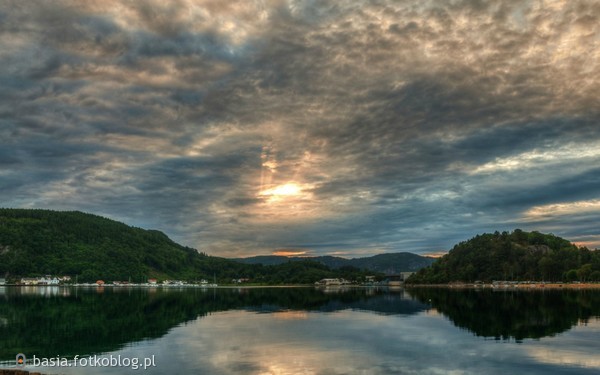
(291, 253)
(436, 254)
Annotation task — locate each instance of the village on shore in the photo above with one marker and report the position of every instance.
(50, 280)
(390, 280)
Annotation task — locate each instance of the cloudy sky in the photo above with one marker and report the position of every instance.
(342, 127)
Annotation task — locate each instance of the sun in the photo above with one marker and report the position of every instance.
(284, 192)
(288, 189)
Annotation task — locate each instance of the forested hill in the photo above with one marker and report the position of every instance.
(513, 256)
(392, 263)
(38, 242)
(45, 242)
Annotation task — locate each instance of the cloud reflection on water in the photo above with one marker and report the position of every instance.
(303, 331)
(355, 342)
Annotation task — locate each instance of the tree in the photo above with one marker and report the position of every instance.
(571, 275)
(585, 272)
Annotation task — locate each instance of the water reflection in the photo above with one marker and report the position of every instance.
(513, 314)
(304, 330)
(37, 291)
(49, 321)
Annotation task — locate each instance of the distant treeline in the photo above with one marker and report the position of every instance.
(89, 247)
(513, 256)
(389, 263)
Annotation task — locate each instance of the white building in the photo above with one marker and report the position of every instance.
(48, 280)
(29, 281)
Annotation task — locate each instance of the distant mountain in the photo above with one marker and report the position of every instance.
(265, 260)
(392, 263)
(513, 256)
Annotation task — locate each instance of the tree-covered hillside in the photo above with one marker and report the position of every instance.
(40, 242)
(513, 256)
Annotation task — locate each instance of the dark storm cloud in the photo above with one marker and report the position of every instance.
(403, 125)
(576, 187)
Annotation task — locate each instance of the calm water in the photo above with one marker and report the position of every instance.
(304, 330)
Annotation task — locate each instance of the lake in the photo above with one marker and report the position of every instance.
(301, 330)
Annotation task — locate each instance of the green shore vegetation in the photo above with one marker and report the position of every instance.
(514, 256)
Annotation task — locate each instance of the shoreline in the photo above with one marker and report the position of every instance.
(144, 286)
(509, 286)
(496, 286)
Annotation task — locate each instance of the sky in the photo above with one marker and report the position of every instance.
(347, 128)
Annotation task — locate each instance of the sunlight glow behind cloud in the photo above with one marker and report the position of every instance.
(245, 127)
